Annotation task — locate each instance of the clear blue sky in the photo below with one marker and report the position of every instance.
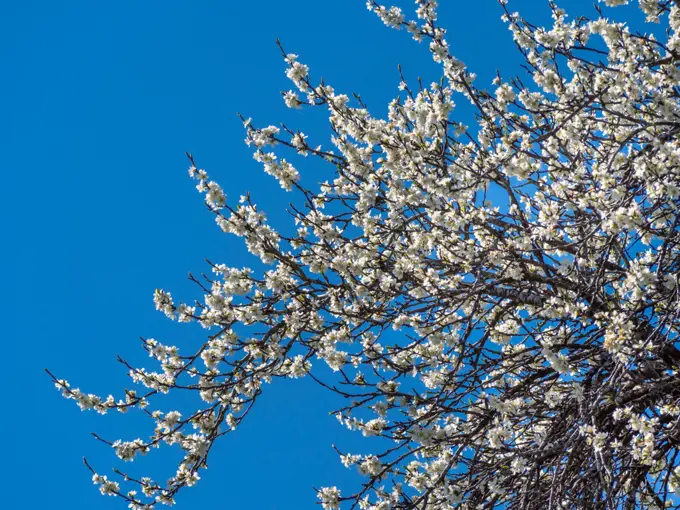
(99, 102)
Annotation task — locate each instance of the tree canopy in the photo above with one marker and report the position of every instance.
(498, 301)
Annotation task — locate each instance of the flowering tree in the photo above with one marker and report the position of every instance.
(499, 302)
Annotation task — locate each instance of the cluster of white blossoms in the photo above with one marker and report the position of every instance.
(498, 303)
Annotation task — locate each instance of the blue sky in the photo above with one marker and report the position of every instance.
(100, 101)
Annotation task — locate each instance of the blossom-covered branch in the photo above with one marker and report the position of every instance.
(499, 302)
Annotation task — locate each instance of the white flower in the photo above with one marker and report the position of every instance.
(291, 99)
(330, 497)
